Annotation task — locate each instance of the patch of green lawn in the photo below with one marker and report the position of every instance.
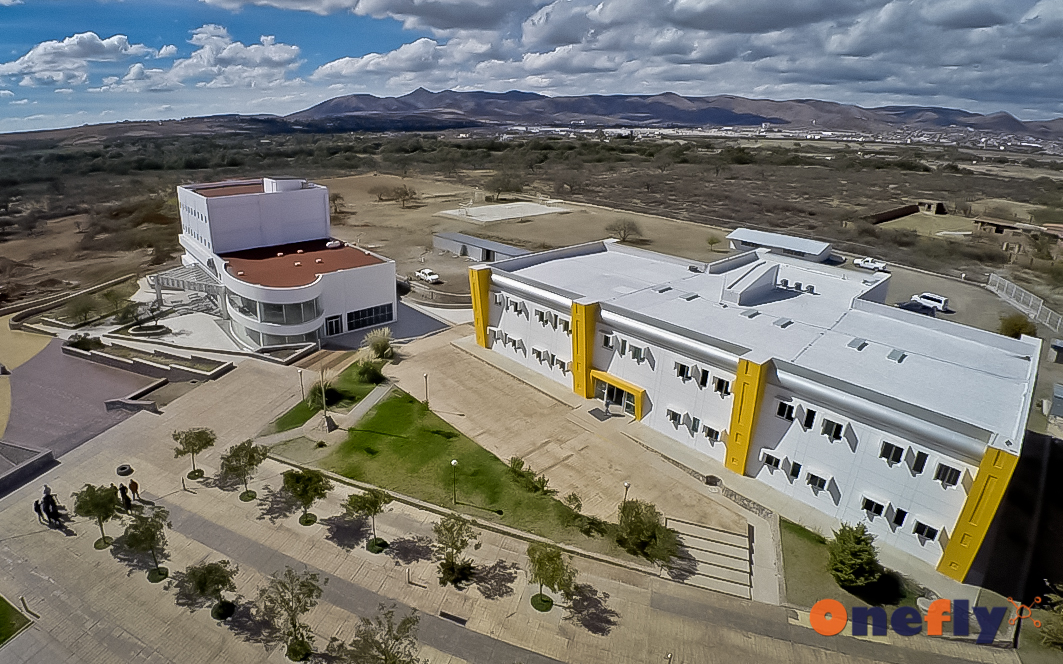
(402, 446)
(347, 389)
(11, 621)
(808, 581)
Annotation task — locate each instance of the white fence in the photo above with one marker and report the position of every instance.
(1025, 301)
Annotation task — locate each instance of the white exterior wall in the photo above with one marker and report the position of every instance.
(359, 288)
(522, 324)
(268, 219)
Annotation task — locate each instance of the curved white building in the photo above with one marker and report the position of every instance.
(285, 280)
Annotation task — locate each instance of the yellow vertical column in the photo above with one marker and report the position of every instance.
(748, 390)
(994, 474)
(584, 321)
(480, 285)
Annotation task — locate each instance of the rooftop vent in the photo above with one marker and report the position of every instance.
(318, 260)
(298, 251)
(797, 285)
(664, 290)
(784, 283)
(857, 344)
(751, 313)
(298, 264)
(783, 323)
(897, 355)
(333, 244)
(240, 273)
(279, 254)
(691, 297)
(810, 289)
(696, 268)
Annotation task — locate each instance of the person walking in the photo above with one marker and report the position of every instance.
(51, 510)
(124, 492)
(38, 510)
(134, 489)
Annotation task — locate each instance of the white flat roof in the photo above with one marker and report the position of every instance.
(779, 241)
(954, 370)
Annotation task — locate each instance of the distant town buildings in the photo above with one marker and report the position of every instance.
(792, 372)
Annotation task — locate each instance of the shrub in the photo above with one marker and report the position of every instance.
(641, 532)
(84, 342)
(378, 342)
(1015, 325)
(853, 560)
(369, 372)
(527, 479)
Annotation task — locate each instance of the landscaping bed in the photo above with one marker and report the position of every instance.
(11, 621)
(347, 389)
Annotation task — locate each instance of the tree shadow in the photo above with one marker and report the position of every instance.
(682, 566)
(587, 608)
(409, 550)
(276, 505)
(183, 597)
(888, 590)
(249, 627)
(136, 561)
(224, 482)
(346, 532)
(496, 581)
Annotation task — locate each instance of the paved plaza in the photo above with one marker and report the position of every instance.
(97, 608)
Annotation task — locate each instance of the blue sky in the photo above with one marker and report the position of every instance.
(65, 62)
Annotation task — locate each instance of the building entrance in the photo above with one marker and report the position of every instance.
(614, 395)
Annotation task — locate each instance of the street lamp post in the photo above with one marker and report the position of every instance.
(426, 389)
(454, 478)
(627, 486)
(302, 390)
(324, 403)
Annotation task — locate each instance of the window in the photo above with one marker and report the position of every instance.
(682, 370)
(771, 461)
(636, 353)
(947, 475)
(816, 482)
(674, 418)
(371, 316)
(333, 325)
(722, 386)
(920, 463)
(565, 325)
(898, 517)
(540, 316)
(795, 469)
(607, 341)
(871, 507)
(832, 430)
(623, 346)
(703, 380)
(714, 436)
(810, 418)
(925, 531)
(785, 411)
(891, 453)
(695, 425)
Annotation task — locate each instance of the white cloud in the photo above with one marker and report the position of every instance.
(64, 91)
(10, 3)
(19, 102)
(167, 51)
(6, 93)
(66, 62)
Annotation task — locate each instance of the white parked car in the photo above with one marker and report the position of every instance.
(869, 263)
(932, 300)
(427, 276)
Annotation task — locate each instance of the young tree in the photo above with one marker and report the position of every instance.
(192, 442)
(453, 536)
(81, 308)
(207, 581)
(307, 486)
(336, 202)
(240, 464)
(623, 229)
(114, 298)
(283, 601)
(100, 503)
(403, 193)
(548, 567)
(147, 533)
(381, 191)
(641, 532)
(502, 182)
(853, 561)
(370, 504)
(380, 640)
(1015, 325)
(713, 240)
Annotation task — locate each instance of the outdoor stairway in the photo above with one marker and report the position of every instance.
(713, 559)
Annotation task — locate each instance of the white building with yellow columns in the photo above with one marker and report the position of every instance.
(794, 373)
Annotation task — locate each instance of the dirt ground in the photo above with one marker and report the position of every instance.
(16, 348)
(932, 224)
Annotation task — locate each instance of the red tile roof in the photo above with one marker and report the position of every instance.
(283, 266)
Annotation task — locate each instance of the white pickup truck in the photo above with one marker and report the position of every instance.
(869, 263)
(427, 276)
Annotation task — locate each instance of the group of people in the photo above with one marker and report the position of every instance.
(48, 508)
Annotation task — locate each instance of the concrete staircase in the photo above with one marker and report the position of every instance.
(713, 559)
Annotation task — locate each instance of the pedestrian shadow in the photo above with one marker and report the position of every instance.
(682, 566)
(409, 550)
(346, 532)
(276, 505)
(587, 608)
(185, 597)
(496, 581)
(136, 561)
(221, 481)
(246, 625)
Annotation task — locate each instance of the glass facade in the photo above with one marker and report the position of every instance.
(382, 313)
(281, 314)
(258, 339)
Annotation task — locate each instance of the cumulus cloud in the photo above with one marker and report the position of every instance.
(66, 62)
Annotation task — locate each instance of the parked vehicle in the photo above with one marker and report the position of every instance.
(869, 263)
(427, 276)
(932, 300)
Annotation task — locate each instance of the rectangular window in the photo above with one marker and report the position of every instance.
(712, 434)
(795, 469)
(333, 325)
(947, 475)
(810, 418)
(832, 430)
(674, 418)
(772, 461)
(898, 517)
(920, 463)
(272, 313)
(816, 482)
(891, 453)
(540, 316)
(703, 380)
(607, 341)
(682, 370)
(785, 411)
(722, 386)
(636, 353)
(382, 313)
(871, 507)
(925, 531)
(565, 325)
(623, 346)
(695, 425)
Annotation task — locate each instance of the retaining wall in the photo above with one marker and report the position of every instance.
(29, 462)
(171, 372)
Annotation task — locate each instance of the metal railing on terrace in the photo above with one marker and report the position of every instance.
(1025, 301)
